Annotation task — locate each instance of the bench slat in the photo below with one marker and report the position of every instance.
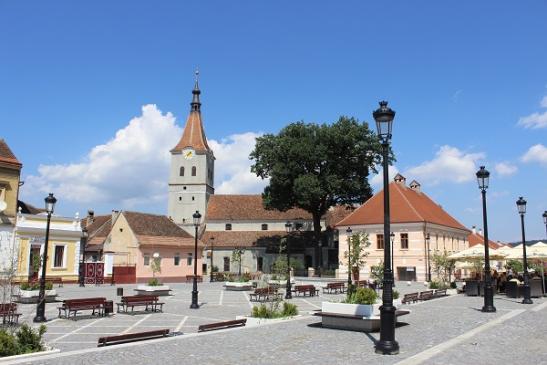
(132, 337)
(222, 325)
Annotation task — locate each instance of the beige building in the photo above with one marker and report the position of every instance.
(414, 218)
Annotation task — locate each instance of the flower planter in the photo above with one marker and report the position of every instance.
(238, 286)
(159, 290)
(253, 321)
(367, 316)
(362, 310)
(31, 296)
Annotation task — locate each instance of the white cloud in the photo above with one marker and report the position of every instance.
(506, 169)
(131, 170)
(536, 153)
(543, 102)
(449, 165)
(534, 121)
(233, 166)
(378, 179)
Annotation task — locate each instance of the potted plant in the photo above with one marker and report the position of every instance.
(274, 311)
(154, 286)
(242, 282)
(29, 292)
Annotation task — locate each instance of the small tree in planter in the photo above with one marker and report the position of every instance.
(358, 243)
(237, 257)
(155, 266)
(443, 268)
(377, 272)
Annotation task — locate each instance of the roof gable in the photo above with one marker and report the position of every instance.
(7, 156)
(144, 224)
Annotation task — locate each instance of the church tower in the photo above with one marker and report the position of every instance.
(191, 177)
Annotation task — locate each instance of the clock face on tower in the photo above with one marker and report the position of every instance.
(188, 153)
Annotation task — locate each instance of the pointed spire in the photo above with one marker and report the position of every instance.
(195, 104)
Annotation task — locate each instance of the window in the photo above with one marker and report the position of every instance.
(193, 171)
(380, 241)
(181, 172)
(193, 199)
(189, 260)
(404, 241)
(59, 256)
(177, 259)
(264, 227)
(226, 263)
(228, 226)
(146, 260)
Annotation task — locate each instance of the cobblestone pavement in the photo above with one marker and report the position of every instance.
(450, 330)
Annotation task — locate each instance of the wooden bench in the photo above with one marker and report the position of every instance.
(132, 337)
(439, 293)
(8, 312)
(217, 276)
(426, 295)
(147, 301)
(353, 322)
(410, 298)
(190, 278)
(338, 287)
(76, 305)
(310, 290)
(222, 325)
(264, 294)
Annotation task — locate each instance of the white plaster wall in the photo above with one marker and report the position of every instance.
(8, 249)
(240, 225)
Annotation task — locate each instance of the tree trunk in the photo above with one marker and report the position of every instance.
(318, 245)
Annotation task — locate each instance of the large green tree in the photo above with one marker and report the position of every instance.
(317, 166)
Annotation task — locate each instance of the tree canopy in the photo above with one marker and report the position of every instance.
(315, 167)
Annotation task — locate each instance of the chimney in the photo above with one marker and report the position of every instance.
(474, 230)
(414, 185)
(480, 231)
(400, 179)
(115, 214)
(90, 217)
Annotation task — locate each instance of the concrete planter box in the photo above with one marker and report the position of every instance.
(362, 310)
(369, 313)
(238, 286)
(160, 290)
(451, 291)
(252, 321)
(31, 296)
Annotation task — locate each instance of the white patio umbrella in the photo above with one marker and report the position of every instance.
(539, 244)
(476, 252)
(532, 253)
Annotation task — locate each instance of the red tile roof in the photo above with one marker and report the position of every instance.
(475, 239)
(337, 213)
(248, 207)
(7, 157)
(406, 206)
(240, 238)
(193, 135)
(97, 230)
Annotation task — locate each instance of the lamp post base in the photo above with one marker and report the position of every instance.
(488, 309)
(194, 304)
(39, 319)
(387, 348)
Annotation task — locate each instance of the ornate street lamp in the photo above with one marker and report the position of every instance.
(289, 229)
(428, 240)
(197, 217)
(521, 205)
(387, 345)
(483, 179)
(41, 307)
(83, 241)
(212, 239)
(545, 221)
(349, 234)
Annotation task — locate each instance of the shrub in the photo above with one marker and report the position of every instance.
(434, 285)
(453, 285)
(263, 311)
(289, 310)
(25, 286)
(215, 268)
(363, 296)
(154, 282)
(246, 277)
(395, 294)
(49, 285)
(25, 340)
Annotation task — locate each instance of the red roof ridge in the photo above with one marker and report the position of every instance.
(406, 200)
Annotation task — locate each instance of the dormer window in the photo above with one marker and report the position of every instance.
(228, 226)
(264, 227)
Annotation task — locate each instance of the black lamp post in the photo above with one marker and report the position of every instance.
(194, 304)
(521, 205)
(545, 221)
(41, 307)
(392, 236)
(349, 234)
(212, 239)
(83, 241)
(483, 179)
(387, 345)
(427, 241)
(288, 228)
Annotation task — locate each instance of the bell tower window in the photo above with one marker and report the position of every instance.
(194, 171)
(181, 172)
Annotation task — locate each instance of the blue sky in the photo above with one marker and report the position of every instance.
(461, 75)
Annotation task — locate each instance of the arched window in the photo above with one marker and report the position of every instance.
(181, 173)
(193, 171)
